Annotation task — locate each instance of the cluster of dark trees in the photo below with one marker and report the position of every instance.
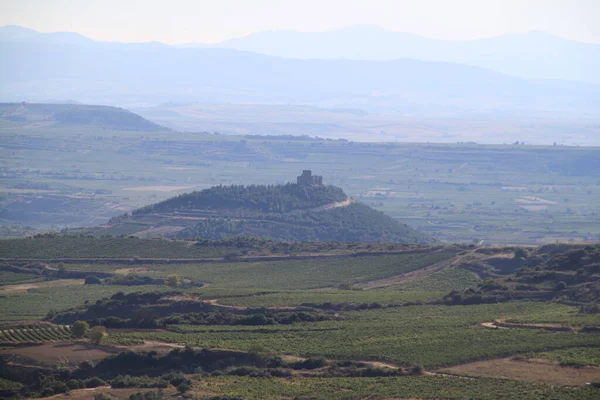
(151, 370)
(472, 296)
(153, 310)
(268, 199)
(43, 382)
(354, 223)
(569, 274)
(259, 317)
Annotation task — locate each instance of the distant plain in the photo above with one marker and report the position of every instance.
(70, 175)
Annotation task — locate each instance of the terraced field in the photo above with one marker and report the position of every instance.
(431, 336)
(359, 318)
(35, 334)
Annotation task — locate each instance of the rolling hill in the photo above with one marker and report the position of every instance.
(18, 115)
(291, 212)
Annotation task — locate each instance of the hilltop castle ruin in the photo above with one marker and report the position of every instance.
(308, 179)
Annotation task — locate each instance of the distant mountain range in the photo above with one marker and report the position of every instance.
(69, 66)
(533, 55)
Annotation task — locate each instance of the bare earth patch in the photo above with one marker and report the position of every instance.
(26, 286)
(88, 394)
(156, 188)
(134, 270)
(527, 370)
(534, 200)
(62, 352)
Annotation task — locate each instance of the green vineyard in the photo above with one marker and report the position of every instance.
(35, 334)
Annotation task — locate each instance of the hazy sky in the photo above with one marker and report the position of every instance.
(183, 21)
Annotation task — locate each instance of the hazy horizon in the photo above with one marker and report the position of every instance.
(341, 28)
(198, 22)
(394, 61)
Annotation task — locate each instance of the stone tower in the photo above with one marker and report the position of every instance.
(308, 179)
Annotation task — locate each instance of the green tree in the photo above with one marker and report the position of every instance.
(80, 329)
(183, 387)
(96, 334)
(520, 253)
(173, 281)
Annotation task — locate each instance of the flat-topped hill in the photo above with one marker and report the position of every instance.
(291, 212)
(114, 118)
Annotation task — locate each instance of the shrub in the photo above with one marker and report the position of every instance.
(310, 363)
(224, 398)
(97, 333)
(80, 329)
(94, 382)
(138, 382)
(86, 365)
(183, 387)
(520, 253)
(92, 280)
(176, 379)
(147, 396)
(173, 281)
(73, 384)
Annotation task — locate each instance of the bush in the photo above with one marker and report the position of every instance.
(80, 329)
(176, 379)
(138, 382)
(310, 363)
(94, 382)
(92, 280)
(520, 253)
(224, 398)
(173, 281)
(147, 396)
(561, 285)
(97, 333)
(74, 384)
(183, 387)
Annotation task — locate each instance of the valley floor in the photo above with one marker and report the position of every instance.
(370, 325)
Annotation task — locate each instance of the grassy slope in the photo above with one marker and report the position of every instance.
(36, 303)
(418, 335)
(300, 274)
(575, 355)
(67, 247)
(426, 387)
(429, 335)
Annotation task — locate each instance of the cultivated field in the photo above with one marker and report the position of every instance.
(455, 192)
(342, 322)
